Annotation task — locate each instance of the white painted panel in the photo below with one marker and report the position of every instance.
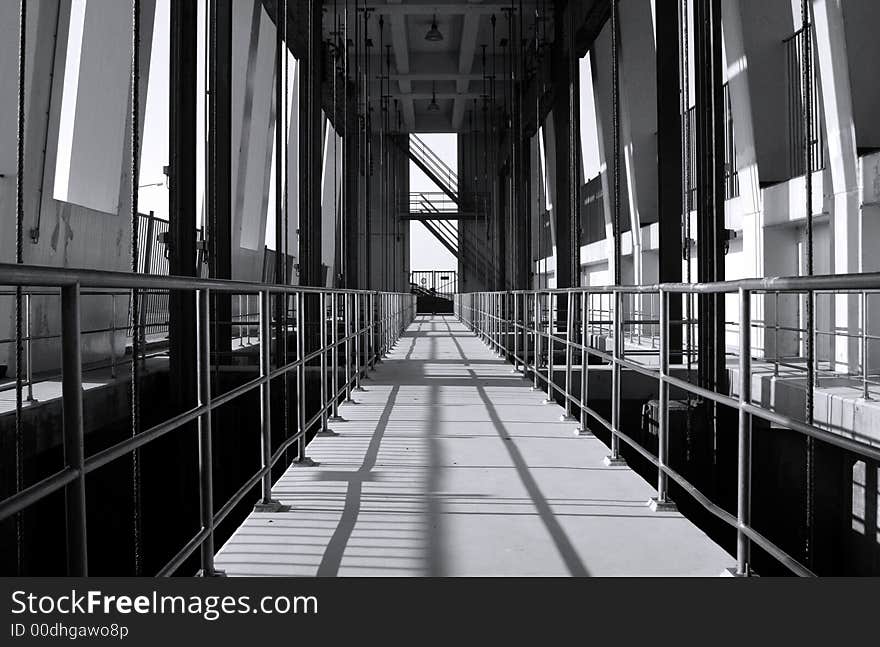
(94, 105)
(259, 141)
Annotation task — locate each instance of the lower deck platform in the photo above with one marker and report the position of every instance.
(450, 465)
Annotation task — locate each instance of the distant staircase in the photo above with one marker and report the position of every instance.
(449, 204)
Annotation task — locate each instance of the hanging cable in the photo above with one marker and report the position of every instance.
(343, 260)
(383, 189)
(491, 142)
(684, 73)
(574, 148)
(807, 102)
(337, 236)
(523, 183)
(368, 154)
(281, 180)
(539, 182)
(485, 182)
(135, 297)
(19, 259)
(615, 127)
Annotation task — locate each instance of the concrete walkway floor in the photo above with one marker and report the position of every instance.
(450, 465)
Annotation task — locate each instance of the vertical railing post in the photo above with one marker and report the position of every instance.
(334, 314)
(301, 458)
(240, 318)
(349, 342)
(525, 334)
(744, 453)
(812, 296)
(776, 334)
(583, 428)
(551, 319)
(865, 392)
(662, 501)
(72, 411)
(569, 324)
(506, 313)
(148, 258)
(614, 458)
(357, 341)
(206, 476)
(113, 337)
(322, 358)
(380, 327)
(537, 343)
(27, 347)
(386, 299)
(371, 342)
(248, 316)
(266, 503)
(515, 328)
(499, 312)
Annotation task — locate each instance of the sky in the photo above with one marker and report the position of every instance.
(426, 252)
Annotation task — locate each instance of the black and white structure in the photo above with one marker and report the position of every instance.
(655, 349)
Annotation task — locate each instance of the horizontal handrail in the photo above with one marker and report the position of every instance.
(354, 329)
(529, 326)
(39, 275)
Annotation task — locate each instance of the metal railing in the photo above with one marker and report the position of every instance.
(435, 167)
(798, 138)
(527, 327)
(731, 174)
(443, 283)
(355, 329)
(113, 327)
(431, 202)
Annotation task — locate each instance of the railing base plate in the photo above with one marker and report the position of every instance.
(271, 506)
(662, 506)
(305, 461)
(611, 461)
(731, 572)
(214, 573)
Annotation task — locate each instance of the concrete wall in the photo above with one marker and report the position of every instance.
(77, 210)
(64, 233)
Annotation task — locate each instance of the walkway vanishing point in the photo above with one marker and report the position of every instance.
(450, 465)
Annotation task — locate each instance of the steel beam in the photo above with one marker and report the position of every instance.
(219, 174)
(710, 188)
(182, 259)
(669, 166)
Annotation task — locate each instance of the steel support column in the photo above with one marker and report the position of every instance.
(562, 206)
(669, 168)
(710, 188)
(182, 198)
(310, 153)
(219, 173)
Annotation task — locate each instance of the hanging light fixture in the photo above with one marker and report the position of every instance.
(434, 34)
(433, 106)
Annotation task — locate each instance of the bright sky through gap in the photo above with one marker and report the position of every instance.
(425, 251)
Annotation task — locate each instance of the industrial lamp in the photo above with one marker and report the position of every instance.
(434, 34)
(433, 106)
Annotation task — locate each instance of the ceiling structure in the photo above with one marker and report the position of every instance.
(436, 84)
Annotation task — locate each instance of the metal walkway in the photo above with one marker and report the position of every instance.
(450, 465)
